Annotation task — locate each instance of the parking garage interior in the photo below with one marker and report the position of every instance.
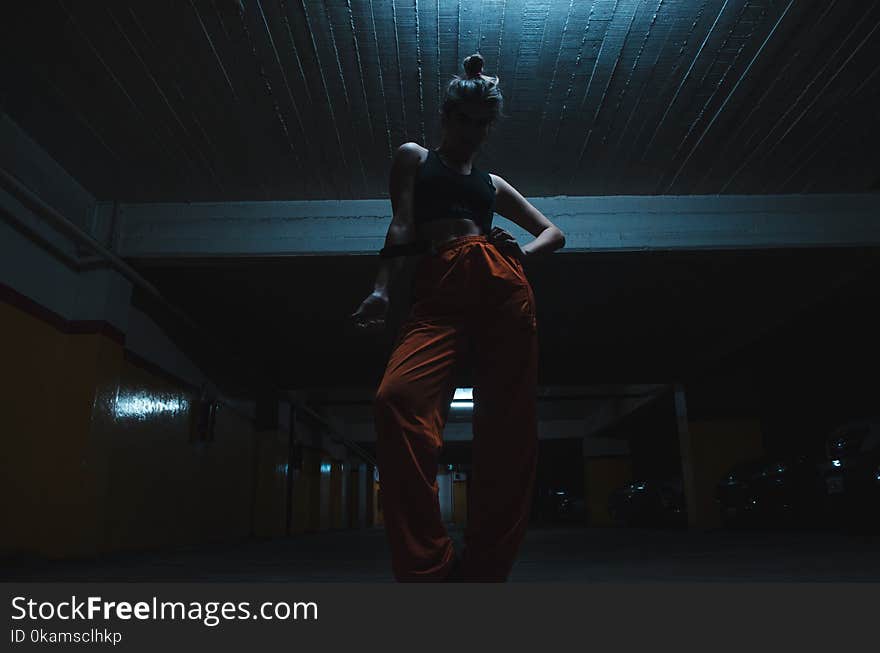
(192, 199)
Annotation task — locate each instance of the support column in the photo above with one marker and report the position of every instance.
(459, 498)
(718, 427)
(607, 466)
(336, 494)
(376, 498)
(363, 519)
(271, 487)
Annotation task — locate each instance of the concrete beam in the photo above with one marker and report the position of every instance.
(462, 431)
(600, 406)
(600, 447)
(614, 410)
(358, 396)
(614, 223)
(33, 167)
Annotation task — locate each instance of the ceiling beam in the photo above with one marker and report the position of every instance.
(610, 223)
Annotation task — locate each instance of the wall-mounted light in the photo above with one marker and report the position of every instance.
(142, 406)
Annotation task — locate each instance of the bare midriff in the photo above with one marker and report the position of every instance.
(441, 231)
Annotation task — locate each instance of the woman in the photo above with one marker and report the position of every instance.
(470, 297)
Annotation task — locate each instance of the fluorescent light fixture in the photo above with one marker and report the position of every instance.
(463, 398)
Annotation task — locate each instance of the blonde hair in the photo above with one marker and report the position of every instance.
(474, 86)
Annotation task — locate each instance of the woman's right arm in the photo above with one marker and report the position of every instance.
(401, 187)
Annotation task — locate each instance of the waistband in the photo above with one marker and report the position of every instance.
(457, 242)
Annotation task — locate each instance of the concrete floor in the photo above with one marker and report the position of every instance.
(547, 555)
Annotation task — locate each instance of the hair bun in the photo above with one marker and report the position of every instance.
(473, 65)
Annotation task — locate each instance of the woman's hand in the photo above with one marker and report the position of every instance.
(370, 315)
(506, 243)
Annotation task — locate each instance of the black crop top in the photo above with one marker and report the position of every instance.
(441, 193)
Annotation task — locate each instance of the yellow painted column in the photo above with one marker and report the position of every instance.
(270, 504)
(354, 496)
(335, 499)
(324, 492)
(376, 484)
(603, 475)
(459, 498)
(370, 490)
(307, 493)
(710, 445)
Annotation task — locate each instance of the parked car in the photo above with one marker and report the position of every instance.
(771, 492)
(558, 504)
(851, 473)
(649, 503)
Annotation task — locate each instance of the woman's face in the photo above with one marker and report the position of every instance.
(467, 125)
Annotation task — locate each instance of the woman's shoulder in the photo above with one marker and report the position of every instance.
(412, 152)
(495, 180)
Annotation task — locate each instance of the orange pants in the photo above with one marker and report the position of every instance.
(471, 303)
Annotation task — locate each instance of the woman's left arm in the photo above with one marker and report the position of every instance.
(516, 208)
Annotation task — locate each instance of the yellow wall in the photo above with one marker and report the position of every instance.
(97, 454)
(708, 452)
(168, 490)
(354, 493)
(307, 493)
(337, 509)
(302, 488)
(270, 506)
(377, 504)
(603, 475)
(54, 464)
(459, 502)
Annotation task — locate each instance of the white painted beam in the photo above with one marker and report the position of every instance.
(614, 223)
